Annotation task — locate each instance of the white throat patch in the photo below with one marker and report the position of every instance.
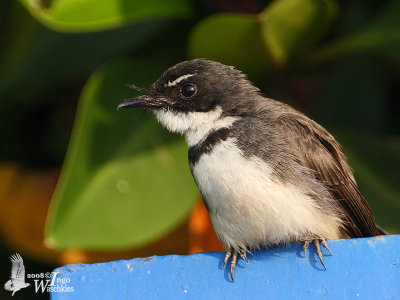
(194, 125)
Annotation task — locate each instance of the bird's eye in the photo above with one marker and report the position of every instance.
(188, 90)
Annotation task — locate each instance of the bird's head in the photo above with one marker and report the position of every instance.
(196, 91)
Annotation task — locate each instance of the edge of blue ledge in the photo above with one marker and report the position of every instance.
(366, 268)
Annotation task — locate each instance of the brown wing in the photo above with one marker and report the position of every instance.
(317, 149)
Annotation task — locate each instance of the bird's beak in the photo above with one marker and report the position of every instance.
(143, 101)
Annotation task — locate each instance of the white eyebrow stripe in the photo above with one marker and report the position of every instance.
(179, 79)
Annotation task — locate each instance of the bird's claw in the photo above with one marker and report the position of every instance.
(243, 254)
(316, 243)
(234, 254)
(227, 256)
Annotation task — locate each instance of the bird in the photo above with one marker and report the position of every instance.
(268, 174)
(17, 280)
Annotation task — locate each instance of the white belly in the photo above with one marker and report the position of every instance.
(248, 209)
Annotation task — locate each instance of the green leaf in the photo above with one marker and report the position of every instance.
(290, 26)
(233, 39)
(383, 33)
(93, 15)
(254, 43)
(125, 180)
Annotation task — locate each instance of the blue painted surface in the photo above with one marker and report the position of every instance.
(359, 269)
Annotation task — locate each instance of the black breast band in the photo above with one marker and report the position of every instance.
(196, 151)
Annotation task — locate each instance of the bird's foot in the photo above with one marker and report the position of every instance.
(234, 254)
(316, 243)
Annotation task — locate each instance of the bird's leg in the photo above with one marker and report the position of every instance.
(316, 243)
(234, 254)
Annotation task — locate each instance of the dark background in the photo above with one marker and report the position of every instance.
(351, 87)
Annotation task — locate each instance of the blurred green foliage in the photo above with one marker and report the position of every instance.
(93, 15)
(125, 180)
(124, 175)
